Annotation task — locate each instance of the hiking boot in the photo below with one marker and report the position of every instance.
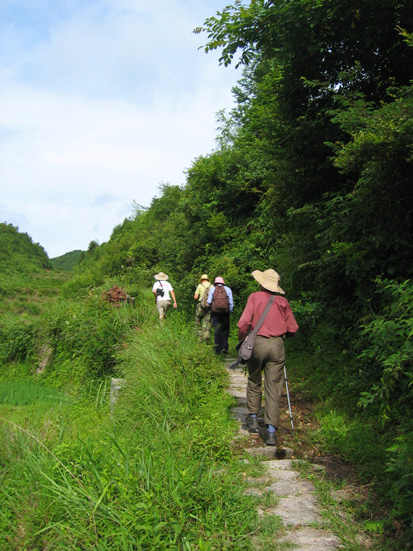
(271, 438)
(251, 422)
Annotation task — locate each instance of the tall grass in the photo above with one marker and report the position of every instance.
(28, 292)
(157, 474)
(21, 393)
(70, 341)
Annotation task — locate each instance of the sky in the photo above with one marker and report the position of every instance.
(101, 102)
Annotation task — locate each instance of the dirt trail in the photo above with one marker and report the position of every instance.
(304, 525)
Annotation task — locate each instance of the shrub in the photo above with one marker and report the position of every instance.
(88, 332)
(18, 337)
(400, 467)
(386, 354)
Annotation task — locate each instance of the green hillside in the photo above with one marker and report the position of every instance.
(67, 261)
(18, 253)
(27, 281)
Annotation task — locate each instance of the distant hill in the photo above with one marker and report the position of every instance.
(66, 262)
(18, 253)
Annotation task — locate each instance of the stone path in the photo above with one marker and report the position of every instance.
(297, 506)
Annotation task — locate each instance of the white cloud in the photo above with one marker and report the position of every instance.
(101, 101)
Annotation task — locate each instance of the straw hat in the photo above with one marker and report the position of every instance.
(161, 276)
(203, 278)
(219, 279)
(269, 280)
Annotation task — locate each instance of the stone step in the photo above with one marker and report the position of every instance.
(297, 505)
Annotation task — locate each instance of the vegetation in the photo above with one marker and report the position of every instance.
(154, 472)
(311, 176)
(18, 253)
(27, 281)
(66, 262)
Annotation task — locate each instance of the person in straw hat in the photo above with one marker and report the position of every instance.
(268, 352)
(163, 291)
(202, 310)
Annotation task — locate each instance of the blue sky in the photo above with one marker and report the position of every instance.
(101, 102)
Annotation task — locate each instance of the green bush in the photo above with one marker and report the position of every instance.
(82, 284)
(385, 360)
(18, 338)
(357, 442)
(308, 313)
(400, 468)
(87, 333)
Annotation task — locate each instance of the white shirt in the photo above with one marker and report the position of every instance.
(166, 286)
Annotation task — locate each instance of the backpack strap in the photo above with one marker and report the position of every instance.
(251, 336)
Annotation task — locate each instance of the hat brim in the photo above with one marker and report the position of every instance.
(161, 276)
(269, 285)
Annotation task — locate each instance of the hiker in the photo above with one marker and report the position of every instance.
(268, 351)
(221, 302)
(161, 289)
(202, 310)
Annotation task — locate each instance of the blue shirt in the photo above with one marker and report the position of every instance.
(229, 293)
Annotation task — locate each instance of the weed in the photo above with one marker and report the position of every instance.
(21, 393)
(337, 519)
(148, 478)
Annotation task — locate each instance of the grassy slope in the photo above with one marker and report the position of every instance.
(145, 479)
(157, 474)
(66, 262)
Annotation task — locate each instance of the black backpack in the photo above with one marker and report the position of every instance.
(220, 300)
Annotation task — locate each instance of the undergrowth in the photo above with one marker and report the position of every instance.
(154, 471)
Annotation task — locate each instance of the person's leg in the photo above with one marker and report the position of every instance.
(254, 384)
(225, 332)
(198, 320)
(206, 325)
(167, 306)
(274, 380)
(162, 307)
(217, 325)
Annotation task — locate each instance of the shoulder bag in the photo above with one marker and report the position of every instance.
(246, 346)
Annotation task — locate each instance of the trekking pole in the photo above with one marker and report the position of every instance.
(288, 398)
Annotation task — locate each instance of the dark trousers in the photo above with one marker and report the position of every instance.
(220, 323)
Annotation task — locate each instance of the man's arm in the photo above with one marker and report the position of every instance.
(230, 299)
(173, 296)
(291, 324)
